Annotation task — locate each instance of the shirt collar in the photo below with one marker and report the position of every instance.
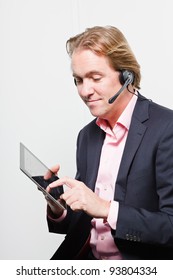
(124, 119)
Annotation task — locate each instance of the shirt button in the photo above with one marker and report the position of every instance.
(102, 237)
(105, 188)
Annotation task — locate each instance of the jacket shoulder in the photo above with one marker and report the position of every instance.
(161, 108)
(161, 114)
(147, 110)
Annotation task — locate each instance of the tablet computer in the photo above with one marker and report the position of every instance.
(37, 171)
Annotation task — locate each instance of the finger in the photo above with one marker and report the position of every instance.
(48, 175)
(56, 183)
(67, 194)
(77, 206)
(48, 189)
(53, 170)
(69, 182)
(70, 198)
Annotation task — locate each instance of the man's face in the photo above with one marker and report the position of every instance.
(96, 82)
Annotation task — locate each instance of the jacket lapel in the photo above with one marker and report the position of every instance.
(135, 136)
(96, 140)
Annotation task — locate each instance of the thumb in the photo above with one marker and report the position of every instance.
(53, 170)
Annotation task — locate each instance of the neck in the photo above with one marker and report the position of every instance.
(119, 106)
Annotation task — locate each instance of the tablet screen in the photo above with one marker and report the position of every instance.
(36, 171)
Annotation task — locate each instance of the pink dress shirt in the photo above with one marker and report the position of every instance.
(102, 242)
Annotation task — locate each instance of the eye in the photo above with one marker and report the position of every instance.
(96, 78)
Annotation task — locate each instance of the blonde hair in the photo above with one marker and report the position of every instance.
(110, 42)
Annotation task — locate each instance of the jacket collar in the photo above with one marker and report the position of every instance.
(136, 133)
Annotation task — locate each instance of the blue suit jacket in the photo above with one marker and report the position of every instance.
(144, 187)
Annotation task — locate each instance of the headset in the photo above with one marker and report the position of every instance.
(126, 78)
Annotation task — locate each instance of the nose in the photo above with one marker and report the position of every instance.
(86, 89)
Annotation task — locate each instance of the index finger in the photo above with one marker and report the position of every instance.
(69, 182)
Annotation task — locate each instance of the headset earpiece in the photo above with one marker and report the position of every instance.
(126, 76)
(75, 82)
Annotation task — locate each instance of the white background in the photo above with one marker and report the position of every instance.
(40, 107)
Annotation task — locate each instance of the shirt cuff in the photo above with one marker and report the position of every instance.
(53, 217)
(113, 214)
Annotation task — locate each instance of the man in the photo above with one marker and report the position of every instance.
(120, 206)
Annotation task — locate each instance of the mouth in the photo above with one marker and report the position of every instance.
(92, 101)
